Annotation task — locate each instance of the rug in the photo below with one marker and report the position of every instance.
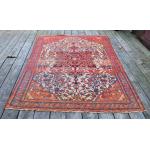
(74, 74)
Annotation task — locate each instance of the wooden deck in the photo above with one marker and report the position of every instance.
(15, 48)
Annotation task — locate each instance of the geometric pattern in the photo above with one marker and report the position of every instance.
(74, 73)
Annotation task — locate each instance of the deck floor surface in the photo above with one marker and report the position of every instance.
(15, 49)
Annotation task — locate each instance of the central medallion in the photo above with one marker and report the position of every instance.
(74, 59)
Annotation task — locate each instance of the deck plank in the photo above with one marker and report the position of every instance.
(6, 51)
(144, 98)
(74, 32)
(41, 115)
(60, 32)
(58, 115)
(88, 32)
(121, 116)
(147, 114)
(15, 51)
(140, 57)
(90, 115)
(138, 48)
(26, 114)
(5, 38)
(9, 61)
(73, 115)
(106, 115)
(135, 74)
(68, 32)
(137, 115)
(129, 71)
(12, 77)
(5, 69)
(53, 32)
(144, 82)
(10, 114)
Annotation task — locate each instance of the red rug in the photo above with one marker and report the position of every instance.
(74, 73)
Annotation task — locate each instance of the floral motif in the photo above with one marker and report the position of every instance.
(78, 87)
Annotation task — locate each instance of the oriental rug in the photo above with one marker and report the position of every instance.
(74, 73)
